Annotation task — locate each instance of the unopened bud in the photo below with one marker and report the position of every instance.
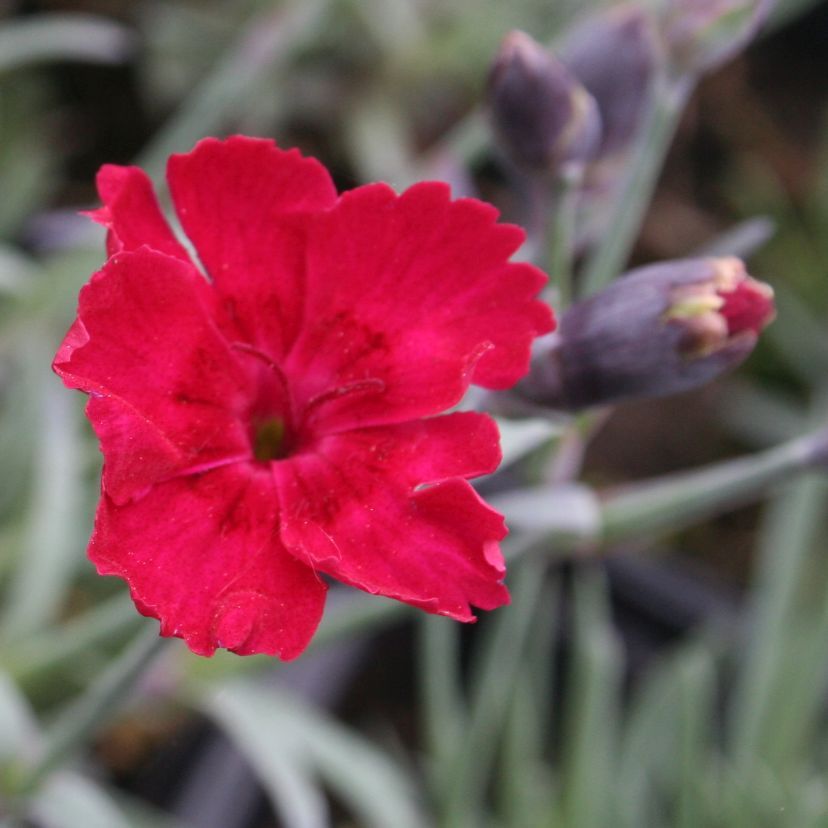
(542, 117)
(614, 55)
(700, 35)
(659, 330)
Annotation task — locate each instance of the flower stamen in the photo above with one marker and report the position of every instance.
(269, 441)
(369, 385)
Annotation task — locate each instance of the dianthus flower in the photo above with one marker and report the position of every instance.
(267, 411)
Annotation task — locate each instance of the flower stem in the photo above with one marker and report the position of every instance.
(560, 241)
(635, 193)
(94, 707)
(675, 501)
(555, 516)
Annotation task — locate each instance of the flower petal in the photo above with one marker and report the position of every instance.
(354, 508)
(131, 213)
(168, 394)
(409, 299)
(202, 554)
(238, 201)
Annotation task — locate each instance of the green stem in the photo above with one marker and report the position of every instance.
(636, 190)
(569, 455)
(654, 506)
(679, 500)
(560, 242)
(93, 709)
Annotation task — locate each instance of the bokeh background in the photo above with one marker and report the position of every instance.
(670, 681)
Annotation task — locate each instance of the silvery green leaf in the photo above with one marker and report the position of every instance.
(570, 511)
(521, 437)
(275, 731)
(18, 728)
(68, 800)
(47, 37)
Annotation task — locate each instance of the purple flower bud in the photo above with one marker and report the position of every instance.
(542, 117)
(657, 331)
(703, 34)
(614, 55)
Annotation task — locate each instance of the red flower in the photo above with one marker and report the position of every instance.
(276, 420)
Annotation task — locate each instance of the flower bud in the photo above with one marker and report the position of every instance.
(542, 117)
(700, 35)
(614, 55)
(659, 330)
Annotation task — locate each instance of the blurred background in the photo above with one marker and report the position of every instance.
(675, 678)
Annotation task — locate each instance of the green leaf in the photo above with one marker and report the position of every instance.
(742, 240)
(52, 548)
(16, 270)
(273, 730)
(567, 513)
(27, 160)
(591, 712)
(442, 706)
(18, 727)
(492, 688)
(69, 800)
(378, 142)
(38, 656)
(51, 37)
(524, 778)
(80, 721)
(760, 415)
(792, 524)
(267, 43)
(521, 437)
(677, 500)
(798, 335)
(695, 717)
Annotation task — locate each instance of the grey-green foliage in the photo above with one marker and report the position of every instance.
(293, 748)
(725, 730)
